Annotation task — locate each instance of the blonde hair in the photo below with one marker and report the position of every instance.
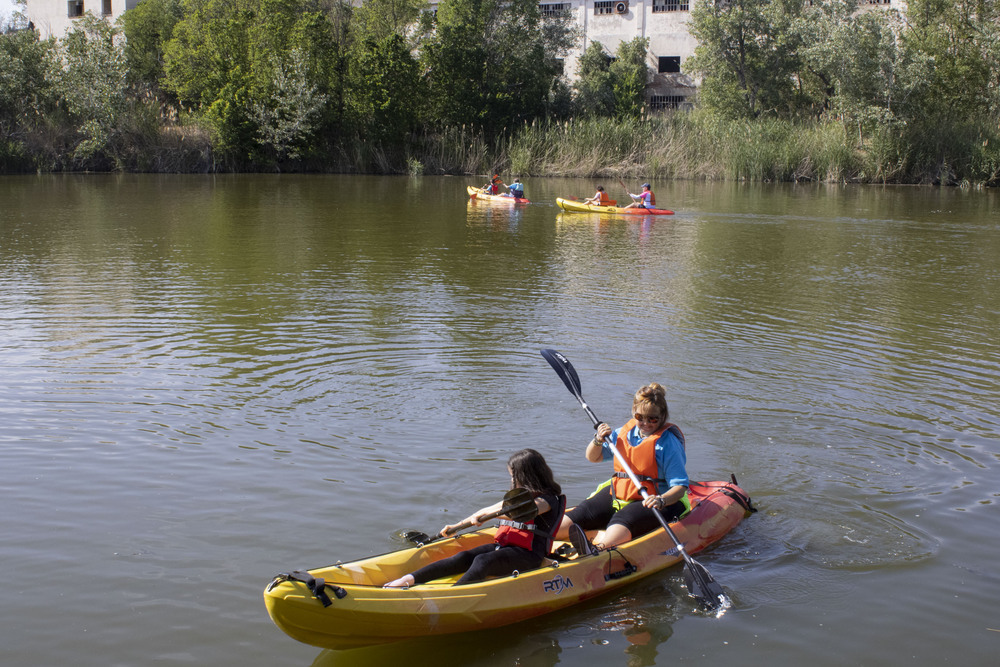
(651, 397)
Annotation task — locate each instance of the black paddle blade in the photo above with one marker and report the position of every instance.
(523, 511)
(703, 586)
(564, 369)
(417, 537)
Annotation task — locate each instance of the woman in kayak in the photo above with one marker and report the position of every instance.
(654, 449)
(645, 199)
(517, 546)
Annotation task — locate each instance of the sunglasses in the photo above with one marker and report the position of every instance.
(646, 418)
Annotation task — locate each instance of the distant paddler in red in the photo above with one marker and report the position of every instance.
(493, 187)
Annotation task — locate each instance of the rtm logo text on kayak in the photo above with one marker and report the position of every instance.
(557, 585)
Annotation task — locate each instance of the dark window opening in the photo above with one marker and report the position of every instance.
(669, 64)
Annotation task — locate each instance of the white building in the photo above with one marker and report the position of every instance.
(55, 17)
(663, 22)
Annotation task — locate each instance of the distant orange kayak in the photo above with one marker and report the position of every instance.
(344, 605)
(477, 193)
(579, 207)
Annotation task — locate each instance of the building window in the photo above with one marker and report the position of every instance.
(106, 7)
(664, 102)
(604, 7)
(554, 9)
(669, 64)
(74, 8)
(671, 6)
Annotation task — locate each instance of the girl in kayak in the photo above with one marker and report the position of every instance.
(600, 197)
(654, 449)
(518, 546)
(645, 199)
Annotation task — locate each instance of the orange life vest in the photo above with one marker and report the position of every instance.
(641, 459)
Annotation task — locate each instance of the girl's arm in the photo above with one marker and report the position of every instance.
(474, 517)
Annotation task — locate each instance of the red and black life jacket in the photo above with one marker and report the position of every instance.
(524, 534)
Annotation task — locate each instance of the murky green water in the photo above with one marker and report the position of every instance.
(208, 380)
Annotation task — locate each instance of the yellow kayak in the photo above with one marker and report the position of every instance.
(344, 605)
(480, 194)
(579, 207)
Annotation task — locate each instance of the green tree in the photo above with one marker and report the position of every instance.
(148, 27)
(385, 92)
(865, 73)
(962, 40)
(746, 55)
(26, 93)
(27, 97)
(629, 74)
(594, 87)
(93, 84)
(267, 74)
(492, 63)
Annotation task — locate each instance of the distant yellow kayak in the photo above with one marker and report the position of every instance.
(579, 207)
(344, 606)
(480, 194)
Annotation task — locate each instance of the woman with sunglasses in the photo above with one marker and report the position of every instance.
(654, 448)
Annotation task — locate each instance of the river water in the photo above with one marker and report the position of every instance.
(208, 380)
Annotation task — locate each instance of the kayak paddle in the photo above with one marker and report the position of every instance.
(700, 583)
(629, 193)
(518, 505)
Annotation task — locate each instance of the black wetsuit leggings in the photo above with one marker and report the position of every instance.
(478, 563)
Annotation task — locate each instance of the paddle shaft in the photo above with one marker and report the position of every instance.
(486, 517)
(629, 193)
(518, 504)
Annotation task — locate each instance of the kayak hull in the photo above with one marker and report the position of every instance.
(476, 193)
(579, 207)
(367, 614)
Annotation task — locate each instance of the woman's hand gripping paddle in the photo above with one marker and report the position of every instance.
(518, 505)
(700, 583)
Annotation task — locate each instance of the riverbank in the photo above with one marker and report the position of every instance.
(682, 145)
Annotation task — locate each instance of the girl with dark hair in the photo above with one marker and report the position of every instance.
(520, 546)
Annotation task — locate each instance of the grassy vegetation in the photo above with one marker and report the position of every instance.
(682, 145)
(701, 146)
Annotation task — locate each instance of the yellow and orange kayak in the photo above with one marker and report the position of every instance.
(579, 207)
(344, 605)
(481, 195)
